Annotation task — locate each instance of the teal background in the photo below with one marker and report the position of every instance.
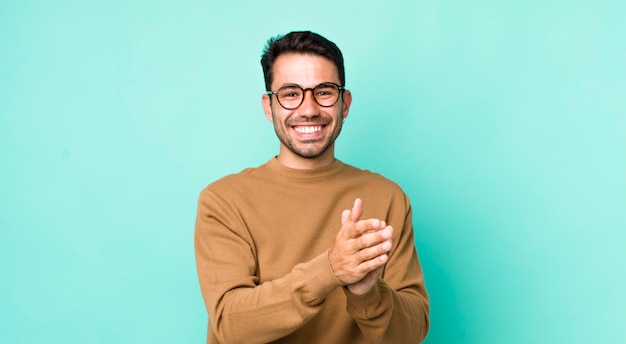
(505, 122)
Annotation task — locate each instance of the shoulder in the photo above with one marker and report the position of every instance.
(235, 183)
(376, 187)
(382, 197)
(232, 179)
(372, 178)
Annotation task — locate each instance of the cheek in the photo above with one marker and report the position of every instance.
(279, 115)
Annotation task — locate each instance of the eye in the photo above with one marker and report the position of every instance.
(289, 92)
(325, 91)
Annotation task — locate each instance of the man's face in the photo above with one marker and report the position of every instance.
(310, 130)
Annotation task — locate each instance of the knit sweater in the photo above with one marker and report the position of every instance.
(261, 241)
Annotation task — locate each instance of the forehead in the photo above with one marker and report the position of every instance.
(306, 70)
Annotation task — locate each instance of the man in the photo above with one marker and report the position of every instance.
(277, 258)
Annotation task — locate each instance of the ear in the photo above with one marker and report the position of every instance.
(347, 100)
(266, 102)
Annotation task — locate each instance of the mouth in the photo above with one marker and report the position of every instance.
(308, 129)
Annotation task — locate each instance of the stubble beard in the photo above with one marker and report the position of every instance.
(304, 149)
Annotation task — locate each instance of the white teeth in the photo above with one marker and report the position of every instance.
(307, 129)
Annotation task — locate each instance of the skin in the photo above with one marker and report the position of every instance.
(361, 250)
(299, 150)
(361, 246)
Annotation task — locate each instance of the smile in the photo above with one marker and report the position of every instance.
(305, 129)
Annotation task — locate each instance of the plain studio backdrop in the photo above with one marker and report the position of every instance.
(504, 122)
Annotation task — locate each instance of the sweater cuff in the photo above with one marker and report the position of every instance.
(371, 304)
(315, 280)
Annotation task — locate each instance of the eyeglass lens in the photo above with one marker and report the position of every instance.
(292, 96)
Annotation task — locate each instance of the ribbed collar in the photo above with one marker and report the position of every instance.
(305, 175)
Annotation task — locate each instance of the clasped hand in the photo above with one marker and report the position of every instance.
(360, 250)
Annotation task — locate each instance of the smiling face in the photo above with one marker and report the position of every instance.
(307, 134)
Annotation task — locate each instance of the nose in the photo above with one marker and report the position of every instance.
(309, 107)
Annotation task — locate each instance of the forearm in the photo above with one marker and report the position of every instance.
(396, 309)
(243, 306)
(388, 316)
(249, 313)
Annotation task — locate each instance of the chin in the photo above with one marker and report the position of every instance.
(311, 153)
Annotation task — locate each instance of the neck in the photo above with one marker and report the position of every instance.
(289, 159)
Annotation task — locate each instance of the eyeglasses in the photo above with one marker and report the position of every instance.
(291, 96)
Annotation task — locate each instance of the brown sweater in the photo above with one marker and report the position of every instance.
(261, 241)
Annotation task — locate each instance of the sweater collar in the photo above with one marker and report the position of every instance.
(308, 174)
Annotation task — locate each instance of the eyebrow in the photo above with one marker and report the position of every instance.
(289, 85)
(298, 85)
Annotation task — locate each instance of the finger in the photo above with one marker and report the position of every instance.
(374, 263)
(344, 216)
(369, 225)
(357, 210)
(374, 238)
(372, 252)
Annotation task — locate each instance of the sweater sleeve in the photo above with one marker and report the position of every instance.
(396, 309)
(240, 309)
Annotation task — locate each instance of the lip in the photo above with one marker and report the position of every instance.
(308, 130)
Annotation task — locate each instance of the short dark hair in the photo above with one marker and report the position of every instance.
(303, 42)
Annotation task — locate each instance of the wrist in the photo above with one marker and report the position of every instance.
(330, 263)
(358, 290)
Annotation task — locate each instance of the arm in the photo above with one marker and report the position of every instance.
(393, 308)
(241, 310)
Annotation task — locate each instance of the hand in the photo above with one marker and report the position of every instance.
(360, 249)
(366, 284)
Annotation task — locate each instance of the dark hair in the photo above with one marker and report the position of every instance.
(303, 42)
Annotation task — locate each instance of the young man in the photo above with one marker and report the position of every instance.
(307, 249)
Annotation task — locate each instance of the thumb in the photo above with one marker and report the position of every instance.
(357, 210)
